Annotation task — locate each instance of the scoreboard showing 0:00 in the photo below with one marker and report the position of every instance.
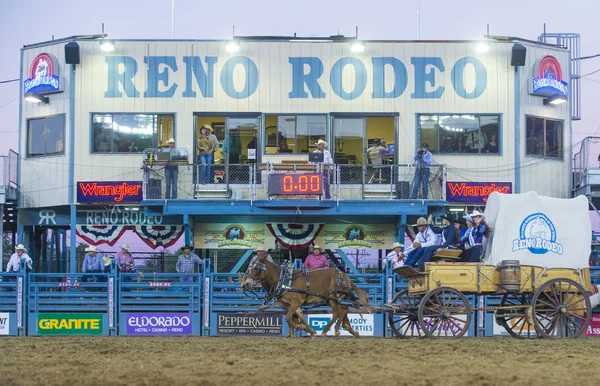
(295, 184)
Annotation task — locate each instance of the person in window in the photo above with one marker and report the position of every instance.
(327, 162)
(423, 160)
(171, 172)
(375, 152)
(492, 145)
(316, 260)
(206, 154)
(106, 141)
(283, 147)
(60, 144)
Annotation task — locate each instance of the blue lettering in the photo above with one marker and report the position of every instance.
(360, 78)
(251, 77)
(422, 77)
(125, 78)
(310, 79)
(400, 77)
(458, 81)
(155, 76)
(204, 79)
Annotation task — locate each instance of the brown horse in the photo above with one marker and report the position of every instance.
(328, 285)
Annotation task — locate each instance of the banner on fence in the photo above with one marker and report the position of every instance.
(594, 327)
(69, 324)
(356, 236)
(233, 236)
(364, 325)
(241, 324)
(163, 323)
(4, 323)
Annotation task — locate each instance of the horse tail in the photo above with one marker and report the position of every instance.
(363, 298)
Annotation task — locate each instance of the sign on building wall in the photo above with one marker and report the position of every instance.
(474, 192)
(43, 75)
(547, 78)
(356, 236)
(233, 236)
(115, 216)
(103, 192)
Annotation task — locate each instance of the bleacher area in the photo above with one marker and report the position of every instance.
(203, 303)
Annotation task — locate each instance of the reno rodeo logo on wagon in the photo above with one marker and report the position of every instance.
(538, 235)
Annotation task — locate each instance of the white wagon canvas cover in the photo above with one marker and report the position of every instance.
(537, 230)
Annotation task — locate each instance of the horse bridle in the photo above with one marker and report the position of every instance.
(261, 267)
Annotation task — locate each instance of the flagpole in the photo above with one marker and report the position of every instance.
(172, 19)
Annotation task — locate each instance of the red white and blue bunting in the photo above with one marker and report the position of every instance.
(295, 236)
(159, 235)
(101, 234)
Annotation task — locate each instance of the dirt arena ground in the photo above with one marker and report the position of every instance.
(277, 361)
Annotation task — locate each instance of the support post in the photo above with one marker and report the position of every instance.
(349, 264)
(241, 262)
(45, 248)
(73, 241)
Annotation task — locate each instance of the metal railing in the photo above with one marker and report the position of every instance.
(250, 182)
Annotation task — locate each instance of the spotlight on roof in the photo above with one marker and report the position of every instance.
(107, 45)
(233, 46)
(482, 47)
(357, 46)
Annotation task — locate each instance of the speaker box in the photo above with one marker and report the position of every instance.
(402, 190)
(72, 53)
(519, 52)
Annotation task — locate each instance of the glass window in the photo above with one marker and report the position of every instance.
(348, 140)
(461, 134)
(544, 137)
(293, 134)
(130, 133)
(46, 136)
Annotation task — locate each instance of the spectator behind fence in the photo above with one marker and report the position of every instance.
(171, 171)
(186, 264)
(232, 289)
(125, 259)
(316, 260)
(15, 260)
(260, 252)
(92, 263)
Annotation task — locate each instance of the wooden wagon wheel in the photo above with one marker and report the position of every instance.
(515, 321)
(404, 320)
(561, 309)
(444, 312)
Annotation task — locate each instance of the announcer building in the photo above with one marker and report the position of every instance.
(246, 116)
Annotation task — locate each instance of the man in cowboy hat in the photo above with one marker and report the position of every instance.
(425, 238)
(316, 260)
(422, 159)
(448, 240)
(395, 256)
(15, 260)
(92, 263)
(327, 160)
(171, 172)
(186, 263)
(260, 253)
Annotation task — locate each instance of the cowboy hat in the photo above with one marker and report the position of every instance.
(468, 218)
(316, 247)
(421, 222)
(477, 213)
(186, 247)
(20, 247)
(171, 140)
(125, 246)
(320, 141)
(90, 248)
(397, 245)
(106, 260)
(461, 221)
(207, 126)
(449, 217)
(257, 249)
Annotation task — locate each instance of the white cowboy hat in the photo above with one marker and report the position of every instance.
(316, 247)
(477, 213)
(421, 221)
(320, 141)
(209, 127)
(20, 247)
(260, 249)
(468, 218)
(125, 246)
(397, 245)
(106, 260)
(90, 248)
(171, 140)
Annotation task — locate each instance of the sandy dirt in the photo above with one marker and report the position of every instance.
(301, 361)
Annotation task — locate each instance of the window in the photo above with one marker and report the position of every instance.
(544, 137)
(130, 133)
(46, 136)
(293, 134)
(461, 134)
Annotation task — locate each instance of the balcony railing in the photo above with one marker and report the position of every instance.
(253, 182)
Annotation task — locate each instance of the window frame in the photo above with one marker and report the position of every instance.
(64, 116)
(561, 157)
(325, 116)
(154, 135)
(479, 115)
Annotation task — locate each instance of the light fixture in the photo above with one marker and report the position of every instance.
(482, 47)
(36, 98)
(555, 100)
(357, 46)
(233, 46)
(456, 209)
(107, 45)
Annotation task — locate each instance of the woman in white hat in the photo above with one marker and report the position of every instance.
(395, 256)
(92, 263)
(327, 160)
(125, 259)
(15, 260)
(171, 172)
(477, 235)
(260, 253)
(316, 260)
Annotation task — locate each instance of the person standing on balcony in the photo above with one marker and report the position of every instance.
(186, 264)
(422, 160)
(327, 163)
(316, 260)
(171, 172)
(206, 155)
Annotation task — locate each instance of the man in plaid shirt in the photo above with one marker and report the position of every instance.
(187, 262)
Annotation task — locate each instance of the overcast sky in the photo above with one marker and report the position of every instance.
(30, 21)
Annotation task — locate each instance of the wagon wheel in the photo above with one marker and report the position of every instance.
(404, 320)
(561, 309)
(444, 312)
(514, 320)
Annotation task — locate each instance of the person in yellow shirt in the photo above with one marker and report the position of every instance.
(206, 154)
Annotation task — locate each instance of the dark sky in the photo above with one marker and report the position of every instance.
(29, 21)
